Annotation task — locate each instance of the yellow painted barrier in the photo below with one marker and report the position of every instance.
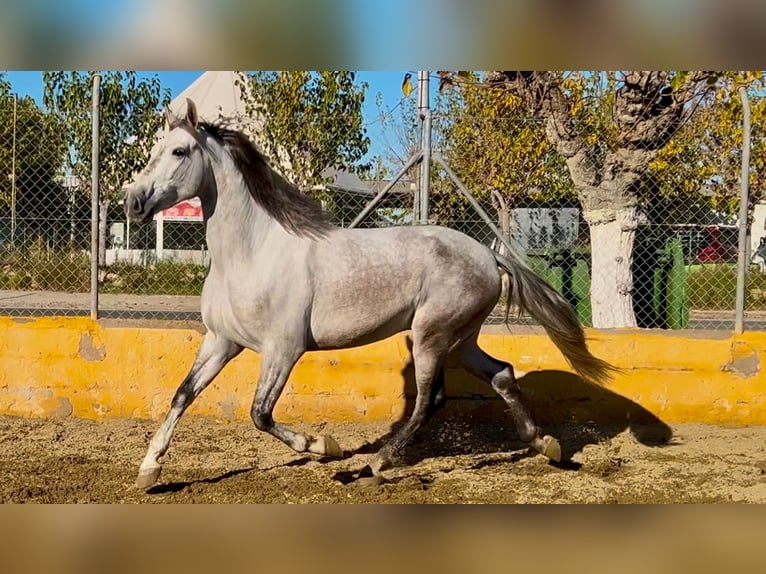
(77, 367)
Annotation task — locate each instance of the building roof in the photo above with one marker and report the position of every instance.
(218, 98)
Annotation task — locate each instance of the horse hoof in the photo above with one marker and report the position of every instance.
(368, 478)
(332, 448)
(327, 446)
(148, 477)
(551, 448)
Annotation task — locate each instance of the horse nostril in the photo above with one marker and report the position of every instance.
(134, 205)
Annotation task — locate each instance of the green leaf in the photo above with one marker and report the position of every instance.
(127, 109)
(314, 121)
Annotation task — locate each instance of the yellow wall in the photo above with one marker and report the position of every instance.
(62, 367)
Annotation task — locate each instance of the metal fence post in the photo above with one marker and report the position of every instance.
(94, 193)
(425, 140)
(416, 157)
(13, 174)
(742, 262)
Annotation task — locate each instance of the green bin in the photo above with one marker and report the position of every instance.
(659, 280)
(568, 271)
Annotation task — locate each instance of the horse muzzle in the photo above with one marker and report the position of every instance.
(137, 206)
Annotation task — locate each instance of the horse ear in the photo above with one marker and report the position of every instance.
(170, 118)
(191, 113)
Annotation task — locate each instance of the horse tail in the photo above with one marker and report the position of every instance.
(529, 292)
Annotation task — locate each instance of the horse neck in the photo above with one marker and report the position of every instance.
(236, 226)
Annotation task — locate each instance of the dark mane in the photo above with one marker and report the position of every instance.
(296, 212)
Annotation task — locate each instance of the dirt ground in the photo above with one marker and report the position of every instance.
(457, 458)
(453, 460)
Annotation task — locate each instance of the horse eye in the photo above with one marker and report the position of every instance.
(179, 152)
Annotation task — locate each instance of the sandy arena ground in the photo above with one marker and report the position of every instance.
(453, 460)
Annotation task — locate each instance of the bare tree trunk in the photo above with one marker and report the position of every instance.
(103, 210)
(612, 234)
(610, 209)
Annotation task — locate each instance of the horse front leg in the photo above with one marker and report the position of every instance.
(214, 353)
(275, 370)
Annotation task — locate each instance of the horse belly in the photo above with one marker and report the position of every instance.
(354, 325)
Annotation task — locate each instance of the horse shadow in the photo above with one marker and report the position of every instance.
(179, 485)
(476, 421)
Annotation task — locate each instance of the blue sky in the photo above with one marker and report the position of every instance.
(388, 83)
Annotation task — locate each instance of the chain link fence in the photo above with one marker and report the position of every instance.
(681, 238)
(44, 214)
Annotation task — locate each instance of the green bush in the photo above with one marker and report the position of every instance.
(163, 278)
(36, 268)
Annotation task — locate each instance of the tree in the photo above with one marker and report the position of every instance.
(399, 129)
(494, 143)
(32, 149)
(609, 128)
(311, 121)
(130, 116)
(498, 149)
(700, 167)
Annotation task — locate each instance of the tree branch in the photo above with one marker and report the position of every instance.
(542, 94)
(650, 107)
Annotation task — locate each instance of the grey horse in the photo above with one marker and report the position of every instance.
(283, 281)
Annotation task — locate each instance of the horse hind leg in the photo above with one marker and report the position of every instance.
(438, 394)
(214, 353)
(428, 353)
(499, 375)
